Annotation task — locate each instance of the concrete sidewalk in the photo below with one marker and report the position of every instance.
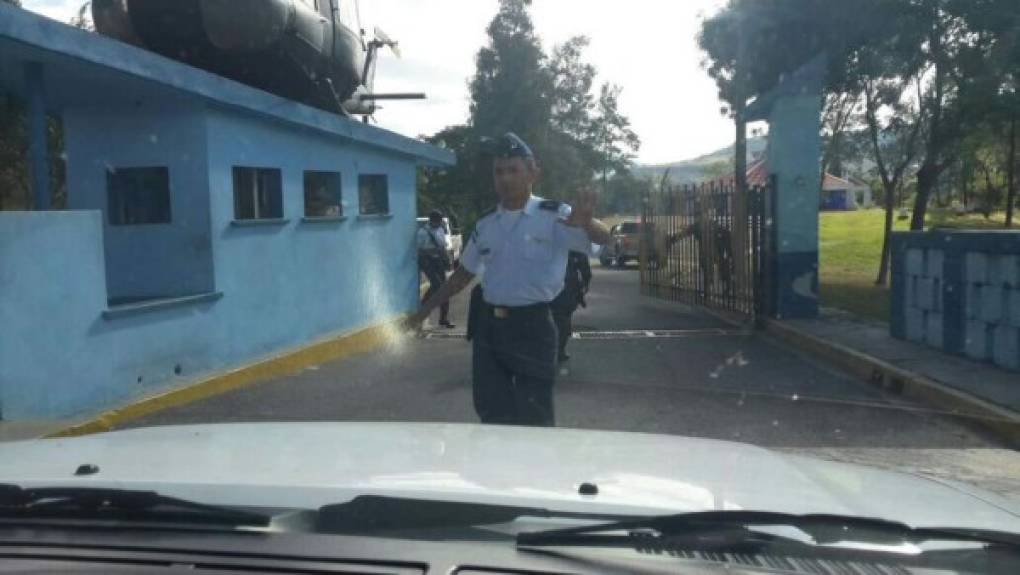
(985, 394)
(19, 430)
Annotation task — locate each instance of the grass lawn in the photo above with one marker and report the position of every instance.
(851, 245)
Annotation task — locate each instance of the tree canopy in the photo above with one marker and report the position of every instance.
(551, 100)
(950, 66)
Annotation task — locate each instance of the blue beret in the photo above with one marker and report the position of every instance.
(510, 145)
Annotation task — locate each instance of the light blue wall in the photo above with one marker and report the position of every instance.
(794, 152)
(151, 260)
(59, 356)
(282, 285)
(51, 288)
(62, 352)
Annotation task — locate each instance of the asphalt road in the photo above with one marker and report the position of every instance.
(707, 379)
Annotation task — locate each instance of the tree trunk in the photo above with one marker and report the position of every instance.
(965, 185)
(926, 179)
(883, 270)
(1011, 172)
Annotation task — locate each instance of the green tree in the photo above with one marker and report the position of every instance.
(894, 147)
(960, 55)
(464, 190)
(612, 137)
(549, 101)
(624, 194)
(511, 89)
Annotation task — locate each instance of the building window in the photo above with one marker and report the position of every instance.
(323, 195)
(258, 193)
(138, 196)
(373, 194)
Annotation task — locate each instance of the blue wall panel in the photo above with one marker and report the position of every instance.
(283, 285)
(151, 260)
(53, 286)
(287, 283)
(956, 291)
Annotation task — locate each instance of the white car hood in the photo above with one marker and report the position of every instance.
(311, 464)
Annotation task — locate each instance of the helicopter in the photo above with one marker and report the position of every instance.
(303, 50)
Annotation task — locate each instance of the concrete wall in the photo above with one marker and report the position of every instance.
(286, 282)
(59, 355)
(959, 291)
(794, 149)
(151, 260)
(64, 353)
(52, 287)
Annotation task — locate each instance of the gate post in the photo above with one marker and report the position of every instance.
(793, 111)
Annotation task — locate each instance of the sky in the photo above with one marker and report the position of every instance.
(649, 47)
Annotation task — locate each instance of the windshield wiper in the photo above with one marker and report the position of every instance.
(90, 503)
(735, 527)
(374, 513)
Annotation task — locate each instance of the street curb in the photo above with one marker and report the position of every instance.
(1001, 421)
(286, 363)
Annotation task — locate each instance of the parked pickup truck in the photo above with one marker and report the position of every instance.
(626, 244)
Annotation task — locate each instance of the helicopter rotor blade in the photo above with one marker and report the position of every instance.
(383, 36)
(390, 42)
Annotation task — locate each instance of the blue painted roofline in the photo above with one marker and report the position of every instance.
(46, 35)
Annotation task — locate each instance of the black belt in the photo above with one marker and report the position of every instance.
(507, 312)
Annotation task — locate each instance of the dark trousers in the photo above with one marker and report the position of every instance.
(436, 274)
(564, 319)
(514, 367)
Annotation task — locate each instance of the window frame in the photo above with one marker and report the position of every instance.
(331, 178)
(257, 175)
(362, 203)
(116, 201)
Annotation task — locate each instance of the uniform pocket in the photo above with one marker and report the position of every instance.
(538, 247)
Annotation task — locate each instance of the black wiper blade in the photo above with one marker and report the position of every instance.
(117, 504)
(823, 529)
(373, 513)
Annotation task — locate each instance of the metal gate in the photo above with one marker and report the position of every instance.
(706, 245)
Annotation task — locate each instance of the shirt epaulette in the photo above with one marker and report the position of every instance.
(550, 205)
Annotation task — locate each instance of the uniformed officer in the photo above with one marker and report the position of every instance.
(520, 250)
(575, 286)
(434, 260)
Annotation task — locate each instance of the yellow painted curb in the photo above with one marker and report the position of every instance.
(286, 363)
(1003, 422)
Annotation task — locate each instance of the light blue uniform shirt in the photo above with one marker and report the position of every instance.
(522, 259)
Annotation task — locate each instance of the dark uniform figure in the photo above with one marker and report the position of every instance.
(434, 260)
(575, 287)
(520, 251)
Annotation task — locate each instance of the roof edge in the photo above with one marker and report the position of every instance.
(44, 34)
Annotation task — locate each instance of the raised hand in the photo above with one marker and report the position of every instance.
(583, 210)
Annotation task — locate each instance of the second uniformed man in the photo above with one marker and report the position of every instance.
(520, 250)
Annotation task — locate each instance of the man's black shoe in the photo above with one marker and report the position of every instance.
(447, 324)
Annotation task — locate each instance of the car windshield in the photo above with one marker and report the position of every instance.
(620, 259)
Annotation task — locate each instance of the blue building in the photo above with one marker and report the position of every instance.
(209, 225)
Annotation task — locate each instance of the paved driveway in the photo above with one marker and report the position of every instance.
(706, 379)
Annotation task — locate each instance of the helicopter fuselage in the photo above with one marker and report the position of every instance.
(298, 49)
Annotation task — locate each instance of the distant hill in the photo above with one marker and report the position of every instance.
(694, 170)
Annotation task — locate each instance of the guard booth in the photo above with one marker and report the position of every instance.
(752, 254)
(210, 224)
